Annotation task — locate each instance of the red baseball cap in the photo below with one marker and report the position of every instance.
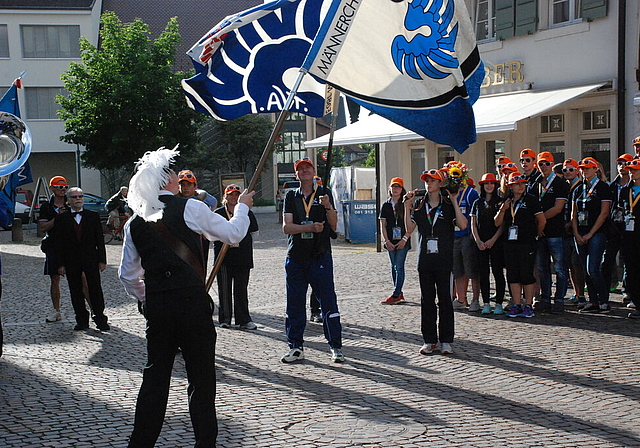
(633, 164)
(231, 188)
(527, 152)
(636, 141)
(434, 174)
(546, 157)
(488, 178)
(396, 181)
(187, 176)
(517, 178)
(588, 162)
(509, 167)
(503, 160)
(58, 181)
(302, 161)
(625, 158)
(570, 162)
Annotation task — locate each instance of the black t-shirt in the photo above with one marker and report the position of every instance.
(47, 212)
(569, 205)
(525, 211)
(443, 220)
(589, 199)
(394, 218)
(485, 211)
(557, 189)
(625, 205)
(532, 180)
(300, 248)
(242, 254)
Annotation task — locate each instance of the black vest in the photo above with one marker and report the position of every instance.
(164, 270)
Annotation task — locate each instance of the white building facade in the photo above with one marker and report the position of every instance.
(41, 36)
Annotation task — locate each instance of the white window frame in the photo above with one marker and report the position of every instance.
(574, 13)
(490, 21)
(50, 41)
(40, 102)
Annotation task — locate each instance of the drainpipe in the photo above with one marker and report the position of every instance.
(622, 79)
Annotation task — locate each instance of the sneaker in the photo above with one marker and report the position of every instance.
(542, 307)
(592, 308)
(558, 307)
(486, 309)
(635, 314)
(457, 305)
(392, 300)
(498, 309)
(249, 326)
(631, 305)
(605, 308)
(225, 325)
(295, 354)
(474, 306)
(446, 348)
(572, 301)
(515, 311)
(336, 355)
(428, 349)
(54, 317)
(527, 311)
(317, 318)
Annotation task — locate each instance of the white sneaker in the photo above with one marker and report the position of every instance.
(446, 348)
(474, 306)
(457, 305)
(336, 355)
(54, 317)
(631, 305)
(249, 326)
(294, 354)
(428, 349)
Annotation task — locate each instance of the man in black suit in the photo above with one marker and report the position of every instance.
(80, 246)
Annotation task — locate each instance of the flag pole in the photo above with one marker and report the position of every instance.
(335, 99)
(259, 168)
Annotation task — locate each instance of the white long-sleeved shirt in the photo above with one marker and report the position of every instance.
(199, 218)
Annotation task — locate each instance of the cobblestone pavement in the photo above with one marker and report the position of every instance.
(551, 381)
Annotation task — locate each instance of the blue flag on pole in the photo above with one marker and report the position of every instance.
(248, 62)
(9, 103)
(414, 62)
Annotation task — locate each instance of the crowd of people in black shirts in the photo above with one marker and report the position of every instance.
(547, 219)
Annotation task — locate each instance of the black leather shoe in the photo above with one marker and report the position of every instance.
(80, 327)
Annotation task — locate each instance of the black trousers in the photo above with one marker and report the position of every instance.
(631, 253)
(232, 292)
(432, 281)
(178, 319)
(96, 297)
(491, 258)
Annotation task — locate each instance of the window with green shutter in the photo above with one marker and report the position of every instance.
(526, 17)
(505, 18)
(593, 9)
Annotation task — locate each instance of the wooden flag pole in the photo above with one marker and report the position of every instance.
(258, 171)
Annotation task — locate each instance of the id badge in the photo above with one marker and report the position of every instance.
(432, 245)
(396, 233)
(629, 223)
(618, 216)
(583, 218)
(306, 235)
(513, 233)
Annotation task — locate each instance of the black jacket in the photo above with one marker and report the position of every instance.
(89, 250)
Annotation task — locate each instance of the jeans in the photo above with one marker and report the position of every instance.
(591, 256)
(319, 274)
(397, 258)
(554, 248)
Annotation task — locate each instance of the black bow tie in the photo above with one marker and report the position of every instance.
(74, 213)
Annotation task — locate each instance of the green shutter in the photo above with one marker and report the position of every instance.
(505, 14)
(526, 17)
(593, 9)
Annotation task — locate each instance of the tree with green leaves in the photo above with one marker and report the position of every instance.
(124, 99)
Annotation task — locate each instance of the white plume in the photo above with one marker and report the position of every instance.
(152, 173)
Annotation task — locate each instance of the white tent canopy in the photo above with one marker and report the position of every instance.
(493, 113)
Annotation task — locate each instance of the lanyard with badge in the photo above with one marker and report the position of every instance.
(629, 219)
(513, 229)
(307, 211)
(229, 216)
(463, 210)
(583, 215)
(432, 241)
(543, 190)
(396, 231)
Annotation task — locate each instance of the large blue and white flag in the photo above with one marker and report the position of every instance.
(248, 63)
(414, 62)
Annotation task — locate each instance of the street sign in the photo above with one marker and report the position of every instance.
(324, 155)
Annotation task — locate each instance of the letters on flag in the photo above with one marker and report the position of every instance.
(414, 62)
(249, 62)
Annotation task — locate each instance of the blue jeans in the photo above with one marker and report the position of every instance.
(397, 258)
(319, 274)
(591, 256)
(554, 248)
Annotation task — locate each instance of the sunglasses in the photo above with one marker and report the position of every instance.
(78, 196)
(517, 179)
(623, 163)
(304, 159)
(186, 176)
(232, 188)
(500, 165)
(60, 187)
(544, 163)
(509, 165)
(633, 163)
(568, 170)
(526, 160)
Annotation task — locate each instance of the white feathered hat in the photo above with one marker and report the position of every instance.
(152, 173)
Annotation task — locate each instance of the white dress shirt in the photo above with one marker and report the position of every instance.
(199, 218)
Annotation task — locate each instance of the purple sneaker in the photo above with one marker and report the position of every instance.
(527, 311)
(515, 311)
